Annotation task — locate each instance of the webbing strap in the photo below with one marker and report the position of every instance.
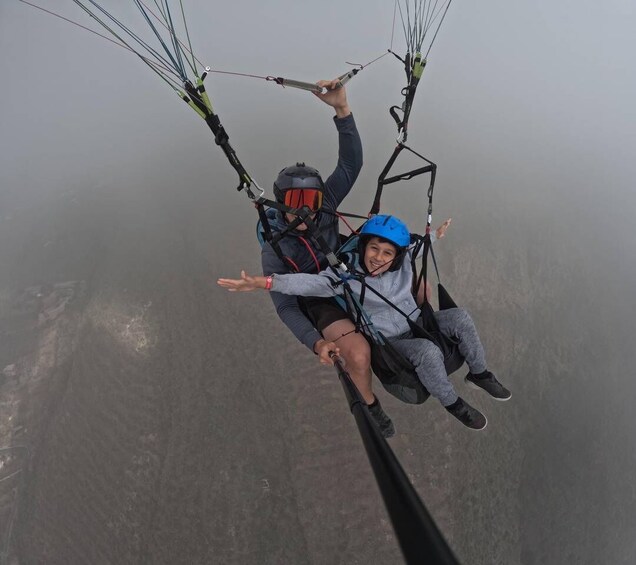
(302, 216)
(201, 104)
(383, 180)
(363, 322)
(360, 313)
(269, 237)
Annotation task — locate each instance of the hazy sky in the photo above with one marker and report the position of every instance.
(539, 94)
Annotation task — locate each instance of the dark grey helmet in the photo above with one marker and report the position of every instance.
(297, 176)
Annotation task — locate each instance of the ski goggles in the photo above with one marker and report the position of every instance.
(300, 197)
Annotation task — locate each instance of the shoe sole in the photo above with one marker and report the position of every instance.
(473, 385)
(474, 429)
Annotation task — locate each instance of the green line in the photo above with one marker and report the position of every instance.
(192, 105)
(204, 95)
(418, 66)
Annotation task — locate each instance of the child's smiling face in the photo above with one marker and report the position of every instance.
(379, 256)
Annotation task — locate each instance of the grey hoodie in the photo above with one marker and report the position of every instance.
(396, 286)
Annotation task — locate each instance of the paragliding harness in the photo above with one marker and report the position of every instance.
(394, 371)
(265, 234)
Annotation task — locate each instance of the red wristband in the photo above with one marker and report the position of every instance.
(269, 281)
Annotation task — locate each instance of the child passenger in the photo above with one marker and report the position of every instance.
(384, 258)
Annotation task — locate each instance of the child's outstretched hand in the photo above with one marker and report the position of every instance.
(441, 231)
(244, 284)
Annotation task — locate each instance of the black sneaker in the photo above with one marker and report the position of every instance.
(467, 415)
(490, 384)
(387, 429)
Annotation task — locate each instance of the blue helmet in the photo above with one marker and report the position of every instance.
(390, 228)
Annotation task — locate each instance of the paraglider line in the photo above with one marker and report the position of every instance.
(78, 25)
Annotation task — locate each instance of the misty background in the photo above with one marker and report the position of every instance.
(166, 421)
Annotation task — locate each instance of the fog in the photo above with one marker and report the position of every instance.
(166, 421)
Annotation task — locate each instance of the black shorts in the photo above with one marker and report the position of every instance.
(322, 312)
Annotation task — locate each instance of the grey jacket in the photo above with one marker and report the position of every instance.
(396, 286)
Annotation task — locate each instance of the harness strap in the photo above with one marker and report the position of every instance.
(302, 215)
(311, 252)
(383, 180)
(268, 236)
(361, 304)
(358, 305)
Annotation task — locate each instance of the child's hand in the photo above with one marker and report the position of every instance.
(244, 284)
(441, 231)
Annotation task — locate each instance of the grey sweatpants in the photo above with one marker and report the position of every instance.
(428, 359)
